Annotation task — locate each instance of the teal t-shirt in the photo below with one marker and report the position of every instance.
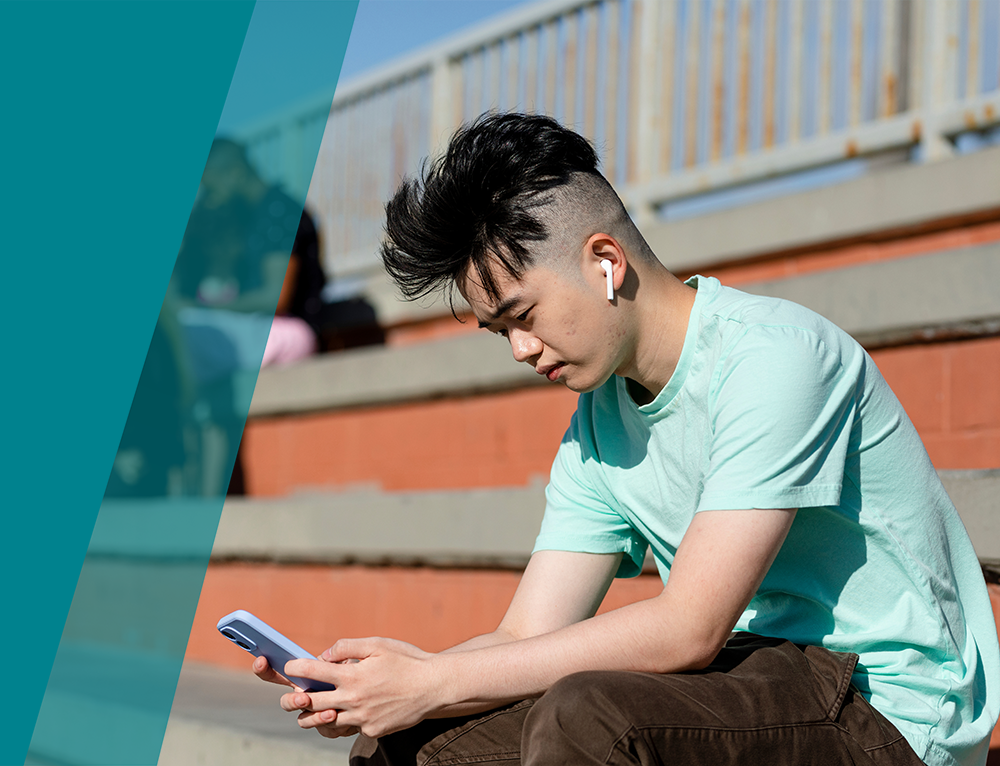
(772, 406)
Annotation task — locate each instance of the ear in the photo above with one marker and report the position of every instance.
(604, 247)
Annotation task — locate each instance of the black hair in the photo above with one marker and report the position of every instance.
(478, 203)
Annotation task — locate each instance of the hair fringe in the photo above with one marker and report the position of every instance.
(474, 207)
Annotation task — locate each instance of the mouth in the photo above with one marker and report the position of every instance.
(551, 372)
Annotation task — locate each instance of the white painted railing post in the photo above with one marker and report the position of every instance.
(935, 74)
(643, 213)
(441, 105)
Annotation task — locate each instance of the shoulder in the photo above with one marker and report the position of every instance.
(747, 310)
(772, 350)
(276, 208)
(745, 327)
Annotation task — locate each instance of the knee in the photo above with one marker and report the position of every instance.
(582, 694)
(365, 752)
(577, 719)
(577, 694)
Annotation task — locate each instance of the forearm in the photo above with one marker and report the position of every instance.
(497, 637)
(637, 637)
(715, 573)
(394, 685)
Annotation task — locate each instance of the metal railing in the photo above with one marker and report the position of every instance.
(679, 96)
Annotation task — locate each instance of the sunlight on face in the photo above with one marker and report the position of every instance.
(553, 320)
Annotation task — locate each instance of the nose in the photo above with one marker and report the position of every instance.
(524, 345)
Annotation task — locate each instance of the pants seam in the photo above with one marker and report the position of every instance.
(484, 758)
(631, 729)
(750, 730)
(884, 744)
(743, 730)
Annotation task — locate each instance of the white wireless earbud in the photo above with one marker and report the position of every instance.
(606, 265)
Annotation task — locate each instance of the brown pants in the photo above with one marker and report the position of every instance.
(762, 702)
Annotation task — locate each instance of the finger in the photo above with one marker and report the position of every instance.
(295, 701)
(349, 649)
(310, 719)
(314, 669)
(265, 672)
(314, 701)
(332, 732)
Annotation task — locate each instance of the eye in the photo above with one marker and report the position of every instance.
(523, 317)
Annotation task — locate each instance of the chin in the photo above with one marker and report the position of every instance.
(584, 387)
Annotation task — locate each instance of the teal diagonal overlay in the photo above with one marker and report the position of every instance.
(109, 110)
(111, 686)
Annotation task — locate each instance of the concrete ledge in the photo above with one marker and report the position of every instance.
(945, 293)
(976, 495)
(467, 363)
(888, 302)
(885, 199)
(472, 528)
(170, 528)
(478, 528)
(226, 718)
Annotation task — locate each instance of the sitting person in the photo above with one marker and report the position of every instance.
(821, 601)
(253, 249)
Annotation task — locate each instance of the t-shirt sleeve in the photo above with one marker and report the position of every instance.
(781, 407)
(577, 518)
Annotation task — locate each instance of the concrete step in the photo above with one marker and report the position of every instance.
(487, 527)
(226, 718)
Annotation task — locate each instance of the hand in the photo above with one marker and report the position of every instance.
(392, 686)
(265, 672)
(323, 721)
(299, 700)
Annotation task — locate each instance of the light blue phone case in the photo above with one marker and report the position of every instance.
(261, 640)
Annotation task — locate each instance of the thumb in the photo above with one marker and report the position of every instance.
(347, 649)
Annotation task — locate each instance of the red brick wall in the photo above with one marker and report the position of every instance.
(502, 439)
(839, 257)
(950, 390)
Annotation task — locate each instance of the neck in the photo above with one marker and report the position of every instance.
(662, 310)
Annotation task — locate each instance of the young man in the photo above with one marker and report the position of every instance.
(821, 600)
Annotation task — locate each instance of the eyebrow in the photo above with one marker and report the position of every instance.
(502, 309)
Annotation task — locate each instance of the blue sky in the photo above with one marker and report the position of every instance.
(385, 29)
(382, 31)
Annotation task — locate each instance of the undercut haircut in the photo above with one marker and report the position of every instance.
(478, 206)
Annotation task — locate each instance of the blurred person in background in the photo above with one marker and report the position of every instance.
(247, 287)
(259, 252)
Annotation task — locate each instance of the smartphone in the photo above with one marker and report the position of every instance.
(261, 640)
